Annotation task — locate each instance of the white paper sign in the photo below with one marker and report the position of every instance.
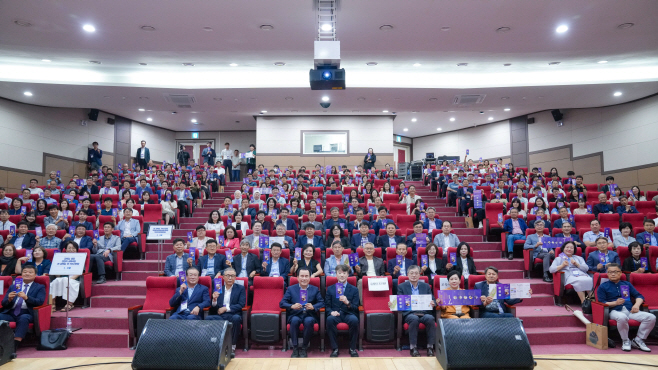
(2, 288)
(68, 264)
(239, 282)
(160, 232)
(519, 290)
(377, 284)
(277, 239)
(420, 302)
(443, 283)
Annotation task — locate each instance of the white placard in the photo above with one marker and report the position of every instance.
(377, 284)
(443, 283)
(420, 302)
(2, 288)
(277, 239)
(239, 282)
(519, 290)
(68, 264)
(160, 232)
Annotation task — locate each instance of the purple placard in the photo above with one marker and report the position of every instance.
(40, 195)
(193, 254)
(96, 234)
(181, 277)
(643, 262)
(603, 258)
(589, 208)
(218, 285)
(372, 210)
(303, 296)
(477, 199)
(606, 232)
(421, 241)
(399, 260)
(59, 173)
(466, 151)
(72, 230)
(38, 231)
(189, 236)
(340, 289)
(453, 258)
(625, 292)
(229, 256)
(298, 254)
(22, 187)
(318, 209)
(220, 241)
(264, 242)
(611, 188)
(353, 259)
(500, 218)
(424, 261)
(23, 209)
(502, 291)
(350, 209)
(18, 284)
(28, 254)
(114, 212)
(266, 255)
(404, 302)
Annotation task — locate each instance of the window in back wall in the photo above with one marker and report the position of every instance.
(325, 142)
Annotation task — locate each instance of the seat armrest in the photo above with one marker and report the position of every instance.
(512, 309)
(132, 322)
(87, 280)
(169, 311)
(42, 316)
(600, 312)
(118, 261)
(476, 312)
(503, 240)
(558, 283)
(528, 261)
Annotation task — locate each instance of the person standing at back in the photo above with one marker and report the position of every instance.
(226, 155)
(209, 154)
(251, 162)
(94, 157)
(143, 156)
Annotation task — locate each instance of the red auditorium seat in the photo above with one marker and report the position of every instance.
(610, 220)
(266, 315)
(42, 313)
(375, 318)
(624, 253)
(421, 251)
(601, 311)
(378, 252)
(491, 211)
(398, 209)
(583, 221)
(390, 253)
(645, 207)
(405, 222)
(156, 305)
(647, 285)
(405, 327)
(635, 219)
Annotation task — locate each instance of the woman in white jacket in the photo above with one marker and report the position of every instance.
(575, 270)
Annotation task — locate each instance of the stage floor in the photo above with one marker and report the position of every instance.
(363, 363)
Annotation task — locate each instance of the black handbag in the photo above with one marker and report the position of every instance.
(587, 303)
(53, 340)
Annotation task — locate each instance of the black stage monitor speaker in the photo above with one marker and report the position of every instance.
(183, 345)
(483, 344)
(93, 114)
(557, 115)
(6, 342)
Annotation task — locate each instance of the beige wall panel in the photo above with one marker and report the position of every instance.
(563, 153)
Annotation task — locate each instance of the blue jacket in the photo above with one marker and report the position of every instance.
(236, 303)
(483, 286)
(328, 223)
(303, 240)
(147, 155)
(593, 260)
(290, 224)
(220, 264)
(170, 264)
(35, 298)
(355, 240)
(200, 298)
(351, 225)
(438, 224)
(284, 269)
(29, 241)
(610, 291)
(85, 242)
(558, 223)
(134, 227)
(292, 296)
(602, 208)
(423, 288)
(645, 238)
(94, 157)
(507, 225)
(331, 303)
(382, 242)
(621, 210)
(393, 262)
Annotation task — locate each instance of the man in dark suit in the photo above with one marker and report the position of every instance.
(387, 240)
(334, 219)
(411, 239)
(396, 270)
(276, 266)
(363, 237)
(369, 265)
(342, 308)
(213, 262)
(302, 313)
(90, 187)
(413, 318)
(229, 304)
(82, 221)
(285, 221)
(22, 238)
(431, 222)
(245, 263)
(18, 305)
(143, 156)
(491, 307)
(309, 237)
(356, 224)
(566, 233)
(191, 298)
(85, 241)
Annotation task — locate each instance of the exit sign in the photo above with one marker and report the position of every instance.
(195, 135)
(398, 139)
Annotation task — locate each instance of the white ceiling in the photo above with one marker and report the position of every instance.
(117, 84)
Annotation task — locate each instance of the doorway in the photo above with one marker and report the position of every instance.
(194, 149)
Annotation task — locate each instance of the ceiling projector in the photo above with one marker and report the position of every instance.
(327, 74)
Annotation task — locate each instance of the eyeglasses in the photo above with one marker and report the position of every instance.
(230, 276)
(614, 272)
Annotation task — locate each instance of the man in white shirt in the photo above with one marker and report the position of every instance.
(226, 160)
(200, 241)
(5, 224)
(411, 198)
(3, 198)
(228, 304)
(108, 189)
(33, 187)
(589, 238)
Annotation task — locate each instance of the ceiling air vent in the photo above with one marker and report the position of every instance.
(468, 99)
(181, 100)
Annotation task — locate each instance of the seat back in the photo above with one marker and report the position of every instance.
(152, 212)
(609, 220)
(376, 301)
(268, 292)
(491, 211)
(6, 282)
(596, 278)
(644, 207)
(207, 282)
(390, 253)
(158, 292)
(314, 281)
(437, 282)
(45, 281)
(398, 209)
(635, 219)
(653, 257)
(647, 285)
(625, 252)
(473, 279)
(583, 221)
(405, 221)
(378, 252)
(331, 280)
(421, 251)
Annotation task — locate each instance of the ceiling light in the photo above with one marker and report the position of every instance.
(188, 64)
(217, 99)
(417, 64)
(149, 119)
(507, 109)
(507, 64)
(553, 63)
(263, 111)
(503, 29)
(46, 60)
(361, 98)
(144, 97)
(266, 27)
(505, 98)
(193, 120)
(22, 23)
(147, 28)
(325, 98)
(142, 64)
(452, 119)
(289, 98)
(207, 29)
(371, 64)
(490, 118)
(95, 62)
(233, 64)
(384, 111)
(174, 112)
(89, 28)
(405, 129)
(414, 120)
(562, 28)
(618, 93)
(624, 26)
(141, 109)
(434, 99)
(27, 93)
(438, 129)
(279, 64)
(445, 28)
(602, 61)
(462, 64)
(326, 27)
(385, 27)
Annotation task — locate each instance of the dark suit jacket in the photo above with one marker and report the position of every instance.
(440, 267)
(303, 240)
(355, 240)
(292, 296)
(423, 288)
(351, 227)
(147, 155)
(437, 222)
(330, 222)
(236, 303)
(393, 262)
(284, 269)
(602, 208)
(411, 244)
(290, 224)
(644, 237)
(380, 269)
(252, 264)
(459, 267)
(35, 298)
(483, 286)
(593, 260)
(331, 303)
(85, 242)
(220, 263)
(382, 242)
(91, 189)
(200, 298)
(29, 241)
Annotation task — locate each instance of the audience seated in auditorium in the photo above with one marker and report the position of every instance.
(61, 285)
(534, 242)
(179, 261)
(598, 260)
(306, 262)
(245, 264)
(634, 262)
(515, 227)
(647, 237)
(625, 239)
(190, 298)
(491, 307)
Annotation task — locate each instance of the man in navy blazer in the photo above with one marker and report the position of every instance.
(179, 261)
(307, 313)
(23, 239)
(217, 260)
(385, 241)
(309, 237)
(285, 221)
(335, 220)
(245, 263)
(191, 298)
(413, 318)
(430, 220)
(31, 295)
(594, 258)
(363, 237)
(647, 237)
(85, 241)
(342, 308)
(356, 224)
(515, 228)
(399, 270)
(228, 304)
(276, 266)
(491, 307)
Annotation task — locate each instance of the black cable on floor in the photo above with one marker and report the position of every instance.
(100, 363)
(594, 360)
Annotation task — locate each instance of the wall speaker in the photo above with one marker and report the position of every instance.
(184, 345)
(93, 114)
(557, 116)
(483, 344)
(6, 342)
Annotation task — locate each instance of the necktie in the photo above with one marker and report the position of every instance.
(19, 302)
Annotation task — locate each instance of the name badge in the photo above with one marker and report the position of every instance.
(204, 272)
(183, 306)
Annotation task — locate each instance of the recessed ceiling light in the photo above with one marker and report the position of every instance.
(89, 28)
(193, 120)
(553, 63)
(27, 93)
(384, 111)
(371, 64)
(452, 119)
(149, 119)
(141, 109)
(507, 109)
(147, 28)
(438, 129)
(414, 120)
(434, 99)
(326, 27)
(233, 64)
(188, 64)
(266, 27)
(279, 64)
(503, 29)
(385, 27)
(361, 98)
(602, 61)
(562, 28)
(507, 64)
(142, 64)
(505, 98)
(289, 98)
(207, 29)
(618, 93)
(263, 111)
(624, 26)
(144, 97)
(462, 64)
(46, 60)
(217, 99)
(174, 112)
(95, 62)
(325, 98)
(405, 129)
(22, 23)
(490, 118)
(417, 64)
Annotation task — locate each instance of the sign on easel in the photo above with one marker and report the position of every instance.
(160, 232)
(68, 264)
